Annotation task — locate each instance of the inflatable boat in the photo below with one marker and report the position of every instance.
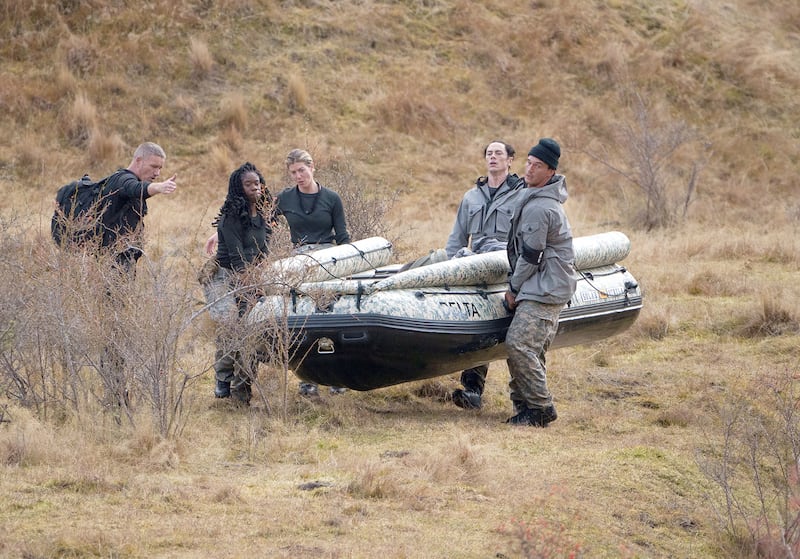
(383, 325)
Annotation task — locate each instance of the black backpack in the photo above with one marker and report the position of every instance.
(80, 209)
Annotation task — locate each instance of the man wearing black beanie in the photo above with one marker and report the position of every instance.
(542, 280)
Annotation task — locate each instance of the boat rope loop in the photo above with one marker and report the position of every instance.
(333, 261)
(588, 276)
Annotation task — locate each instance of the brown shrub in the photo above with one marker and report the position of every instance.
(774, 316)
(79, 55)
(66, 83)
(708, 283)
(186, 110)
(373, 481)
(366, 207)
(653, 324)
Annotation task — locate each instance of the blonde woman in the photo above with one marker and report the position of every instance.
(315, 214)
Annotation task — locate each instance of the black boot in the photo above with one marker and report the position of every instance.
(467, 399)
(536, 417)
(223, 389)
(473, 381)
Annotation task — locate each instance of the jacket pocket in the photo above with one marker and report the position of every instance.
(474, 219)
(503, 223)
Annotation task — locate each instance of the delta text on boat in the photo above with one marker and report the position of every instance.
(360, 323)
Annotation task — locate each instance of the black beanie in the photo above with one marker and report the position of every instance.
(548, 151)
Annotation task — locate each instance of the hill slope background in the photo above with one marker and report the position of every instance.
(698, 98)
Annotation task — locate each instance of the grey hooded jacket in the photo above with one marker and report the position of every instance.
(484, 219)
(540, 250)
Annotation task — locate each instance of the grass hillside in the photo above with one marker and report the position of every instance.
(680, 125)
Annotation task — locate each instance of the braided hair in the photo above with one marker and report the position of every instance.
(236, 203)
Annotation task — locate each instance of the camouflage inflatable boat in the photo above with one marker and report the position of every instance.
(382, 326)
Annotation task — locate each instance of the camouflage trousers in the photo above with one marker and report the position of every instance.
(237, 368)
(235, 359)
(531, 332)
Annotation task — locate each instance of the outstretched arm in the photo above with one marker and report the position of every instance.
(166, 187)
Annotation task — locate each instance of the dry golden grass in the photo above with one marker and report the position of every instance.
(233, 111)
(406, 95)
(81, 121)
(298, 93)
(200, 58)
(103, 147)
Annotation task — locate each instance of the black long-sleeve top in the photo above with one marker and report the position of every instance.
(313, 218)
(239, 245)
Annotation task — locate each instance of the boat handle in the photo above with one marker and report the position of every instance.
(353, 337)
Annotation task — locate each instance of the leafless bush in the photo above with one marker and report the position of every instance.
(752, 457)
(268, 340)
(366, 207)
(77, 338)
(647, 147)
(151, 321)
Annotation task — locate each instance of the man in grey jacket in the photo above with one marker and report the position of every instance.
(542, 280)
(482, 224)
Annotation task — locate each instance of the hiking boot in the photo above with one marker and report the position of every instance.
(222, 389)
(309, 390)
(338, 390)
(536, 417)
(467, 399)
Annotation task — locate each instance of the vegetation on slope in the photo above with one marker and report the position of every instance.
(662, 430)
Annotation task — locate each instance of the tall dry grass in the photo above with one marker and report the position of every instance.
(200, 58)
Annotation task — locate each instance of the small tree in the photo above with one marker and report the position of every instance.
(648, 147)
(366, 208)
(752, 457)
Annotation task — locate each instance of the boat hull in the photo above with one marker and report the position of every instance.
(373, 339)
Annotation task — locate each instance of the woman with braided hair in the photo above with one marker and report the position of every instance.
(316, 219)
(243, 230)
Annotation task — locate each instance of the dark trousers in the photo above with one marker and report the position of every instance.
(474, 379)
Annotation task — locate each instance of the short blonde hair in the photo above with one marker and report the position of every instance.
(299, 156)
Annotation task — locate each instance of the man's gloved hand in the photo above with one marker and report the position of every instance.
(463, 251)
